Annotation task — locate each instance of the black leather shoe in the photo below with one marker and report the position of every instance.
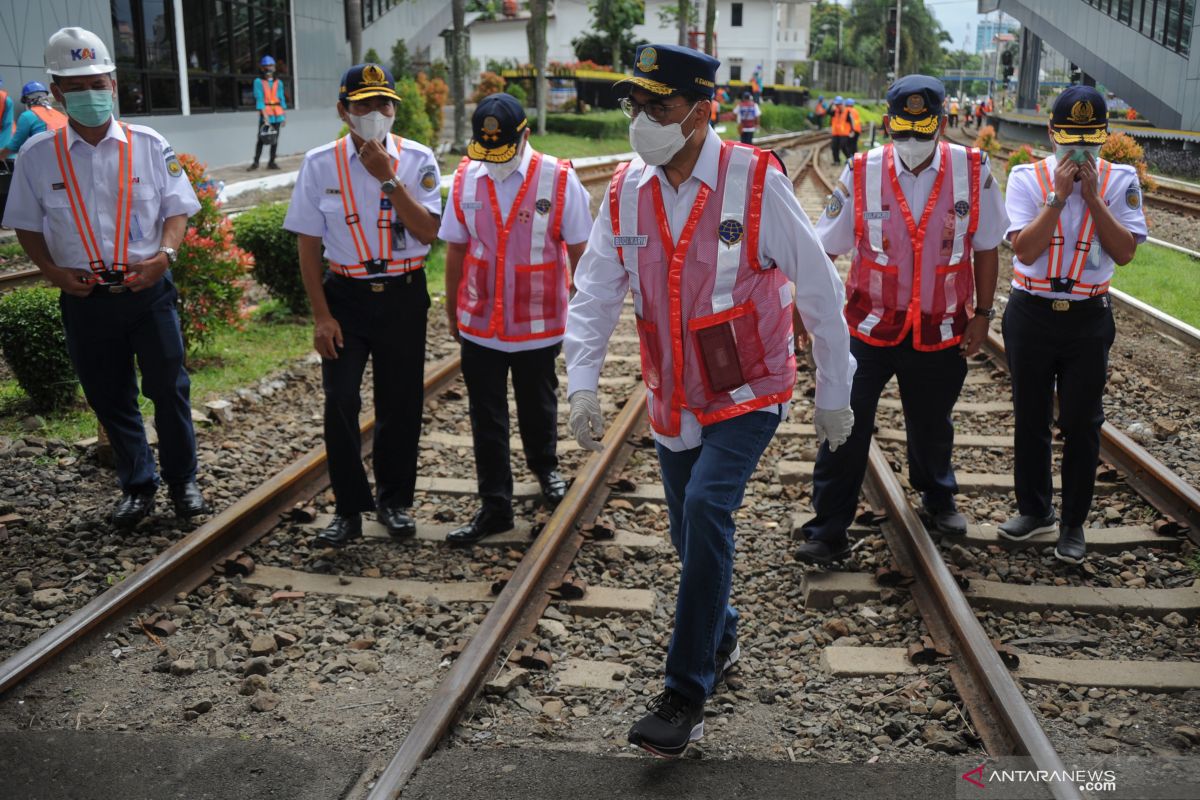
(188, 501)
(822, 554)
(554, 488)
(272, 165)
(1071, 547)
(399, 523)
(1020, 528)
(485, 523)
(948, 521)
(252, 167)
(132, 508)
(344, 529)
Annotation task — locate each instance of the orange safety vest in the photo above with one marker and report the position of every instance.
(271, 105)
(368, 266)
(4, 102)
(1056, 280)
(839, 123)
(112, 273)
(853, 120)
(53, 119)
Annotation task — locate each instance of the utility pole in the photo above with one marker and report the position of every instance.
(710, 24)
(537, 40)
(684, 9)
(458, 70)
(899, 9)
(354, 29)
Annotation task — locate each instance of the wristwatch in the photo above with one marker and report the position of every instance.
(1052, 201)
(990, 313)
(390, 185)
(172, 254)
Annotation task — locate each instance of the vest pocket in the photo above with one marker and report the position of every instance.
(473, 291)
(730, 349)
(651, 352)
(535, 295)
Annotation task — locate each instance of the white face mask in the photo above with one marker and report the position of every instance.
(373, 125)
(913, 151)
(1076, 153)
(657, 144)
(500, 171)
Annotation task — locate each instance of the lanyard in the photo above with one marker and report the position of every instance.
(83, 223)
(350, 206)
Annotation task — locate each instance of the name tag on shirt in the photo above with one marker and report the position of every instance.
(471, 205)
(877, 215)
(630, 241)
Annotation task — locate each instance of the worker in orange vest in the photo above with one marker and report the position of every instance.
(40, 116)
(839, 128)
(270, 101)
(854, 128)
(817, 116)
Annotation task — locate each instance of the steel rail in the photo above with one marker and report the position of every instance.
(23, 277)
(1170, 494)
(471, 668)
(1000, 692)
(188, 563)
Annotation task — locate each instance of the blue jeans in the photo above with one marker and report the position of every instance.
(704, 486)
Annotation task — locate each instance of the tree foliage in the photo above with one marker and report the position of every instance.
(864, 26)
(35, 346)
(613, 20)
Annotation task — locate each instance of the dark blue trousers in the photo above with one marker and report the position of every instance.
(930, 382)
(105, 333)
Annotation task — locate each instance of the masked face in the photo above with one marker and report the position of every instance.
(914, 151)
(1076, 153)
(89, 107)
(372, 125)
(499, 171)
(655, 143)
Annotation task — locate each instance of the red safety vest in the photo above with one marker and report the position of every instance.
(367, 265)
(715, 326)
(514, 282)
(53, 119)
(1083, 244)
(271, 106)
(747, 118)
(903, 276)
(3, 103)
(113, 272)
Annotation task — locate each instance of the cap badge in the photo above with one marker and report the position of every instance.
(731, 231)
(1082, 113)
(648, 59)
(542, 205)
(491, 129)
(373, 76)
(914, 104)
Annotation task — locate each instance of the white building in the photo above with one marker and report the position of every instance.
(752, 35)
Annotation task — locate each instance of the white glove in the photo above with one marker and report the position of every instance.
(586, 422)
(833, 426)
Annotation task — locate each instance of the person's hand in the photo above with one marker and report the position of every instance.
(833, 426)
(144, 274)
(1089, 185)
(74, 282)
(975, 335)
(327, 337)
(586, 422)
(1064, 178)
(376, 161)
(452, 322)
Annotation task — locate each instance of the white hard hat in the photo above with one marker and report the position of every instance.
(76, 51)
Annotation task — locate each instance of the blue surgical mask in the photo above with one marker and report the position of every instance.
(89, 107)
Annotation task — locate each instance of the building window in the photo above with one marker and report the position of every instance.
(144, 41)
(735, 72)
(225, 42)
(374, 9)
(1167, 22)
(735, 15)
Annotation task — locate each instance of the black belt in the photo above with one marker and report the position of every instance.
(380, 284)
(1058, 304)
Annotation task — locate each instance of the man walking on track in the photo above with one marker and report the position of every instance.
(923, 218)
(710, 239)
(518, 219)
(748, 114)
(101, 207)
(368, 203)
(1074, 218)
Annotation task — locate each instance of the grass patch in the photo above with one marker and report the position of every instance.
(235, 358)
(435, 268)
(12, 249)
(562, 145)
(1165, 279)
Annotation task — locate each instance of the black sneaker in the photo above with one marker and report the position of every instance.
(725, 661)
(1020, 528)
(673, 723)
(1071, 546)
(823, 554)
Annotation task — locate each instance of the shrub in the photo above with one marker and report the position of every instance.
(597, 125)
(784, 118)
(489, 83)
(436, 94)
(987, 141)
(516, 91)
(212, 269)
(35, 346)
(1022, 155)
(1121, 148)
(412, 122)
(276, 257)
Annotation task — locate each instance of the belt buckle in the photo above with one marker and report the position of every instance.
(378, 286)
(1062, 284)
(113, 281)
(1061, 305)
(375, 266)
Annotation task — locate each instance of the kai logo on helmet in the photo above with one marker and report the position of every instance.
(83, 54)
(1082, 113)
(648, 59)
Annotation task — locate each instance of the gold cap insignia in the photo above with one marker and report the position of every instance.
(491, 129)
(915, 104)
(373, 76)
(1082, 113)
(648, 60)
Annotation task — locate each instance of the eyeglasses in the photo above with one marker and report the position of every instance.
(900, 136)
(654, 110)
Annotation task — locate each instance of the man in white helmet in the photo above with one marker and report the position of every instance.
(100, 207)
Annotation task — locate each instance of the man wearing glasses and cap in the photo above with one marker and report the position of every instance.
(369, 203)
(517, 220)
(922, 219)
(1074, 216)
(716, 250)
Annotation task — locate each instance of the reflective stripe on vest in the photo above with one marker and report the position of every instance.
(367, 266)
(111, 272)
(52, 119)
(271, 106)
(514, 282)
(1054, 280)
(888, 248)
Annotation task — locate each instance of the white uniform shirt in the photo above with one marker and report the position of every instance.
(37, 199)
(837, 232)
(786, 239)
(576, 225)
(316, 208)
(1123, 196)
